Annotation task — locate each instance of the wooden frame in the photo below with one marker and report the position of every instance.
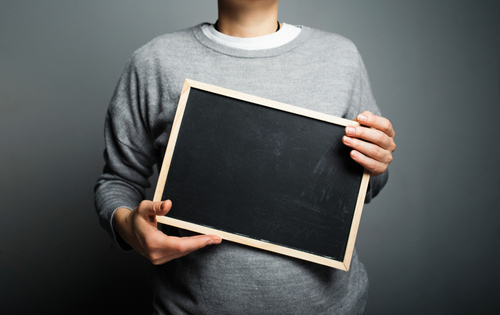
(361, 179)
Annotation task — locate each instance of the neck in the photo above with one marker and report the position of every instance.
(247, 18)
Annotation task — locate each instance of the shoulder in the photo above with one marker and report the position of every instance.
(331, 41)
(164, 47)
(333, 49)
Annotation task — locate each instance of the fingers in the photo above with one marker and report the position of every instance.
(170, 247)
(374, 167)
(372, 157)
(370, 135)
(373, 142)
(186, 245)
(382, 124)
(158, 247)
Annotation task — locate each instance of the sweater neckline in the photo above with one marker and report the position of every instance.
(242, 53)
(281, 37)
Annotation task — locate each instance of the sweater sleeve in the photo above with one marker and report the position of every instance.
(362, 100)
(129, 152)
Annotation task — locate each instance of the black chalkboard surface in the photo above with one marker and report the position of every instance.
(262, 173)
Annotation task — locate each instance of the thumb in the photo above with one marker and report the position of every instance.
(162, 207)
(150, 209)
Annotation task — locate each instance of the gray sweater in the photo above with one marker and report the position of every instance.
(317, 70)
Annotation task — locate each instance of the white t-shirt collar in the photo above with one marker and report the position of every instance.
(284, 35)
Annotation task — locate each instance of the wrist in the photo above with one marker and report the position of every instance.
(120, 218)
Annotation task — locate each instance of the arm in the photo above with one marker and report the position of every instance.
(130, 155)
(373, 141)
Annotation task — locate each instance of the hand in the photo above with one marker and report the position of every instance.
(139, 229)
(373, 142)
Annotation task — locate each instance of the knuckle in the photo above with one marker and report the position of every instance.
(153, 254)
(381, 137)
(371, 166)
(367, 113)
(155, 258)
(181, 248)
(377, 169)
(387, 126)
(360, 132)
(143, 205)
(375, 151)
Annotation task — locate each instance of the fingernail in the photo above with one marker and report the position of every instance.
(350, 130)
(347, 140)
(210, 242)
(362, 118)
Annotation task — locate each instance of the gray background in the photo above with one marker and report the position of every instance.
(430, 241)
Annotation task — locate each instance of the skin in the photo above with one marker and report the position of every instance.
(246, 19)
(372, 144)
(139, 229)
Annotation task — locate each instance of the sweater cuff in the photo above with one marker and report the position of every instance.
(375, 185)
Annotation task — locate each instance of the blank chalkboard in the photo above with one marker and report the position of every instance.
(263, 174)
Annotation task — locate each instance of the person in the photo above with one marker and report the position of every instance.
(250, 51)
